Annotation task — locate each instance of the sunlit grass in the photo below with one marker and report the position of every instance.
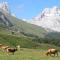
(27, 54)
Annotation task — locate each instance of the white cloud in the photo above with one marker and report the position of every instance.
(13, 15)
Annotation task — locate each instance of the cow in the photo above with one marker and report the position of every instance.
(11, 50)
(52, 51)
(8, 49)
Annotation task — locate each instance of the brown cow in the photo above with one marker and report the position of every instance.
(11, 50)
(52, 51)
(8, 49)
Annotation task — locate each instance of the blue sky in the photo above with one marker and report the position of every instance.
(27, 9)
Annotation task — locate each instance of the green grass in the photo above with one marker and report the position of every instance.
(13, 40)
(28, 54)
(27, 27)
(28, 47)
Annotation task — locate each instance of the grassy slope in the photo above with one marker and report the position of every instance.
(12, 40)
(7, 38)
(53, 35)
(25, 42)
(26, 27)
(28, 54)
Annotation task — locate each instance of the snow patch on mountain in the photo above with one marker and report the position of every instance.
(4, 15)
(48, 19)
(4, 7)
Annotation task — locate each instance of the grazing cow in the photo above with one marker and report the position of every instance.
(11, 50)
(8, 49)
(52, 51)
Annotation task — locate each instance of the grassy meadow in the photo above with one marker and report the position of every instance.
(31, 38)
(30, 50)
(28, 54)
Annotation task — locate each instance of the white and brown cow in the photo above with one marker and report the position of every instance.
(52, 51)
(11, 50)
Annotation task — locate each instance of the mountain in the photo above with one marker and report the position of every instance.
(48, 19)
(25, 28)
(14, 31)
(10, 24)
(4, 13)
(19, 27)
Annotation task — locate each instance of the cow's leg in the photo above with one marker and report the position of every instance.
(57, 53)
(50, 54)
(54, 54)
(7, 53)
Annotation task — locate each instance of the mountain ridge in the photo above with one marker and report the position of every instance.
(48, 19)
(20, 27)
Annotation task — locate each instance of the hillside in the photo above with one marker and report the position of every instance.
(14, 30)
(12, 23)
(23, 33)
(18, 26)
(25, 27)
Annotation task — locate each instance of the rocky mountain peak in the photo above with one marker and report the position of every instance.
(48, 19)
(4, 15)
(4, 7)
